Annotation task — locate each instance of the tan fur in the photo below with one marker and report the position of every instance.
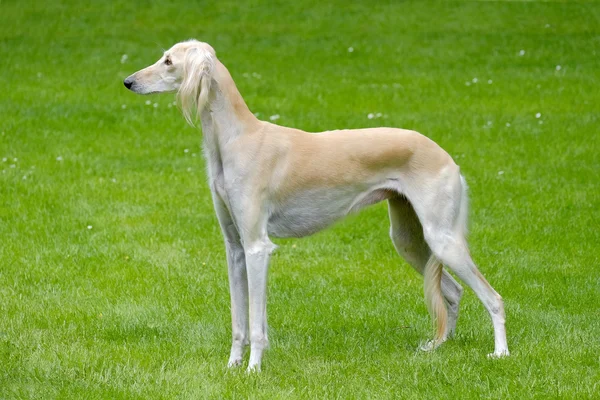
(432, 277)
(300, 160)
(267, 179)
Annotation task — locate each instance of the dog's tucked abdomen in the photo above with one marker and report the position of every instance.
(316, 209)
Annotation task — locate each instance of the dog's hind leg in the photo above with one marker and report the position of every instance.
(406, 233)
(443, 216)
(453, 252)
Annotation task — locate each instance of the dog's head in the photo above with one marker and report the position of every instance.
(186, 68)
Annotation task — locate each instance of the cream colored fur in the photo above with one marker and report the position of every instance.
(268, 180)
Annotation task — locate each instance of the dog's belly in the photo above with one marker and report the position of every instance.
(315, 210)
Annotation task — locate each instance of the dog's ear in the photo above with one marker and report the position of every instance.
(198, 66)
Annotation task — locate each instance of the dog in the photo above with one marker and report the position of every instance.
(272, 181)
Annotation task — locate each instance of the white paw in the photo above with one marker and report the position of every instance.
(234, 363)
(499, 354)
(430, 345)
(253, 369)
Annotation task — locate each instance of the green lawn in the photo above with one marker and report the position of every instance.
(112, 274)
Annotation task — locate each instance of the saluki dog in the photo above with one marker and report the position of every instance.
(269, 180)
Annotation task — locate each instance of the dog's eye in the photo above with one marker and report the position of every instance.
(168, 61)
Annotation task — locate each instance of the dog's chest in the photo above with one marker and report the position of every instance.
(309, 212)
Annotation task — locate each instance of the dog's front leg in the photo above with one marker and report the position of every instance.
(238, 290)
(238, 282)
(258, 253)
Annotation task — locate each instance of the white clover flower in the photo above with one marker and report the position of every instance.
(155, 105)
(350, 49)
(148, 102)
(490, 81)
(186, 150)
(475, 80)
(124, 58)
(370, 115)
(500, 172)
(124, 106)
(468, 83)
(522, 53)
(59, 158)
(274, 117)
(538, 115)
(558, 67)
(89, 227)
(508, 124)
(4, 159)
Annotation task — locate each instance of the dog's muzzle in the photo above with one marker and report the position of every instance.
(128, 83)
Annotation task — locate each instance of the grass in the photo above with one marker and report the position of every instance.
(112, 275)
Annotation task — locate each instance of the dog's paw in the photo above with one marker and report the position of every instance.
(499, 354)
(234, 363)
(253, 369)
(430, 345)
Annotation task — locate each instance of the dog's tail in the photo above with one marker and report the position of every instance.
(433, 297)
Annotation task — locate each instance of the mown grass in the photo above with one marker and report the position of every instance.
(112, 276)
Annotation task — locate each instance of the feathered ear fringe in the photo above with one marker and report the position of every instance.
(193, 93)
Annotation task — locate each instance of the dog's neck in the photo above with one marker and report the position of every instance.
(225, 117)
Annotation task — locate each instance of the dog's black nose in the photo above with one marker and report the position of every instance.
(127, 82)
